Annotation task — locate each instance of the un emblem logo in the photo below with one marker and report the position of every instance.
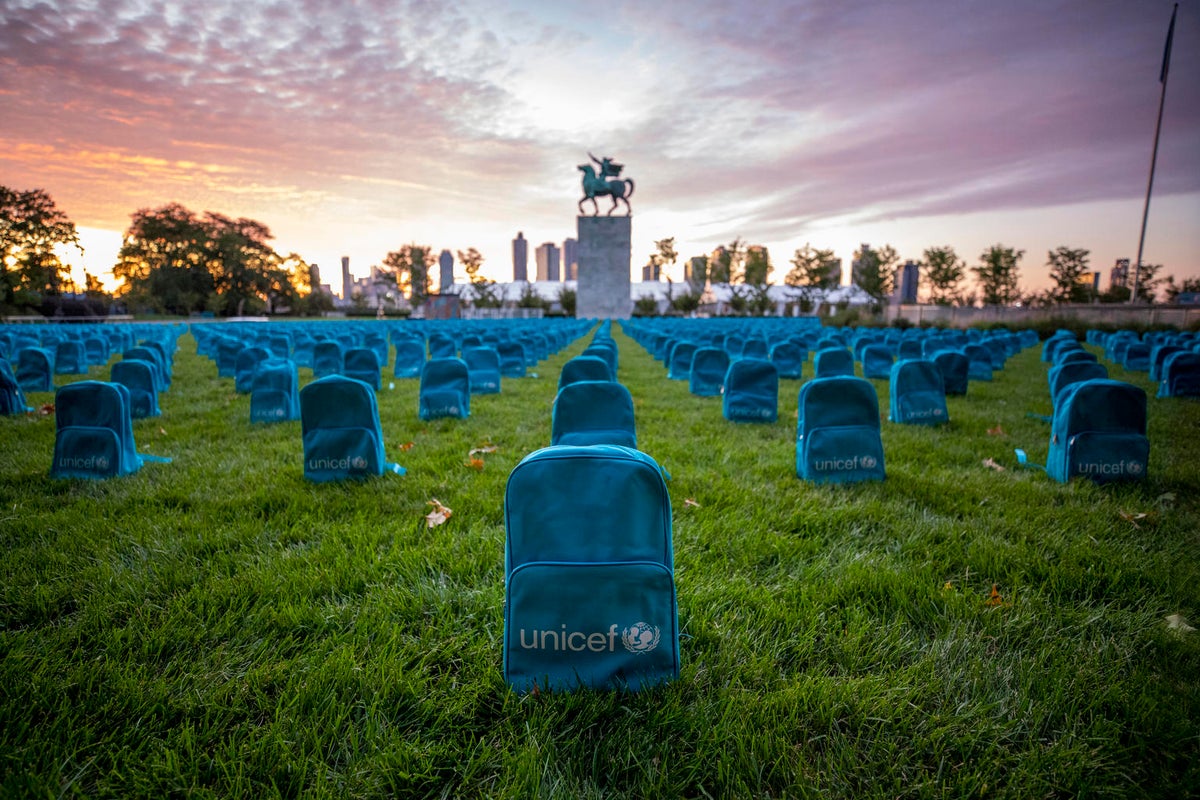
(867, 462)
(101, 462)
(1134, 467)
(640, 637)
(359, 462)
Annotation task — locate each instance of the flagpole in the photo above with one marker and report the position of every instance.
(1137, 268)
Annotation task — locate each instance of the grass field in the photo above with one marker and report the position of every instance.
(218, 627)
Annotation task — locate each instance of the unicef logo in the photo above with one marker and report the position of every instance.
(1134, 467)
(867, 462)
(279, 413)
(358, 462)
(640, 637)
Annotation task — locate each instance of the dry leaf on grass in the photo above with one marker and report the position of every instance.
(404, 448)
(948, 586)
(994, 599)
(996, 431)
(991, 464)
(438, 515)
(482, 450)
(1133, 518)
(474, 463)
(46, 410)
(691, 502)
(1177, 622)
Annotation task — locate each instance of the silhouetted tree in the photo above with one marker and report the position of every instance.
(944, 273)
(410, 266)
(1068, 270)
(31, 227)
(875, 272)
(997, 274)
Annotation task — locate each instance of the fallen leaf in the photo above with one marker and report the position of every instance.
(690, 502)
(438, 515)
(482, 450)
(1132, 518)
(1166, 500)
(1177, 622)
(996, 431)
(162, 431)
(948, 586)
(404, 448)
(46, 410)
(994, 599)
(475, 463)
(991, 464)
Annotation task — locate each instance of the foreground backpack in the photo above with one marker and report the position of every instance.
(94, 432)
(589, 588)
(1099, 432)
(837, 433)
(339, 420)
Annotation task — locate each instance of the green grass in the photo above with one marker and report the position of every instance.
(218, 627)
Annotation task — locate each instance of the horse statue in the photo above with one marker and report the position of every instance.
(605, 183)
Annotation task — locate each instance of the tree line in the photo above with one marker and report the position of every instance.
(176, 261)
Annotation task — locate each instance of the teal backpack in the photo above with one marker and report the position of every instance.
(94, 432)
(339, 421)
(483, 369)
(917, 394)
(362, 363)
(1098, 432)
(1180, 375)
(140, 378)
(244, 365)
(593, 412)
(12, 399)
(707, 375)
(34, 369)
(275, 391)
(751, 391)
(589, 587)
(837, 433)
(445, 389)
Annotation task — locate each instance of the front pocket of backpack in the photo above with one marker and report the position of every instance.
(1106, 457)
(337, 453)
(86, 452)
(599, 626)
(843, 454)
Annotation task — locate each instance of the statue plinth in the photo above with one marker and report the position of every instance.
(603, 285)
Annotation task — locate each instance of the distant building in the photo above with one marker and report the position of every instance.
(520, 258)
(547, 256)
(696, 269)
(856, 265)
(314, 275)
(446, 264)
(347, 281)
(907, 280)
(570, 259)
(651, 272)
(1119, 275)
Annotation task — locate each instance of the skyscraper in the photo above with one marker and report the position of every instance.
(570, 257)
(907, 280)
(547, 256)
(520, 258)
(347, 282)
(1119, 275)
(446, 278)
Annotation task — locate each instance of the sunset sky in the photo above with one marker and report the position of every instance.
(353, 128)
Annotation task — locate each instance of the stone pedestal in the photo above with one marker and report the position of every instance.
(602, 288)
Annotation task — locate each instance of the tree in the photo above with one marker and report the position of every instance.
(531, 299)
(813, 272)
(688, 301)
(566, 300)
(664, 257)
(725, 264)
(758, 267)
(944, 273)
(164, 261)
(1069, 271)
(472, 260)
(1148, 282)
(874, 272)
(646, 306)
(31, 226)
(997, 275)
(1173, 290)
(410, 266)
(483, 291)
(310, 299)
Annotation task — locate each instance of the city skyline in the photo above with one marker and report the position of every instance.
(354, 131)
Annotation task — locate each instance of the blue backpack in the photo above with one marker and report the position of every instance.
(339, 421)
(589, 587)
(362, 363)
(445, 389)
(12, 399)
(917, 394)
(245, 364)
(139, 378)
(483, 369)
(877, 361)
(35, 369)
(410, 357)
(275, 391)
(70, 358)
(751, 391)
(1180, 375)
(593, 412)
(789, 358)
(954, 367)
(327, 359)
(584, 368)
(94, 432)
(513, 360)
(707, 377)
(1064, 375)
(830, 362)
(679, 361)
(837, 434)
(1099, 432)
(979, 362)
